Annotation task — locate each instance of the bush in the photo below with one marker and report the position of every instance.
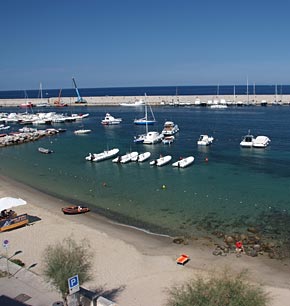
(222, 290)
(66, 259)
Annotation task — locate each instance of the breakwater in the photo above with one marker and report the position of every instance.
(193, 100)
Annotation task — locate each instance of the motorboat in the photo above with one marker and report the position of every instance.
(125, 158)
(109, 119)
(168, 139)
(44, 150)
(74, 210)
(247, 141)
(205, 140)
(142, 157)
(261, 142)
(82, 131)
(153, 137)
(103, 155)
(161, 161)
(170, 128)
(184, 162)
(136, 103)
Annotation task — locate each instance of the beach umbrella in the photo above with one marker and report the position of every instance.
(9, 202)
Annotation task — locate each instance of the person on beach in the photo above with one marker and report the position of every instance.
(239, 248)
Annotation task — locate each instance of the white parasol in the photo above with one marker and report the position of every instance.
(8, 202)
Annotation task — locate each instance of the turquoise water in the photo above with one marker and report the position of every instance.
(236, 188)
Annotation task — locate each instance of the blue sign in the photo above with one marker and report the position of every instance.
(73, 284)
(5, 243)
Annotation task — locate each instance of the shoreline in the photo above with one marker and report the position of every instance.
(181, 100)
(124, 256)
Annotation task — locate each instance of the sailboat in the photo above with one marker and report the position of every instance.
(42, 103)
(145, 120)
(151, 137)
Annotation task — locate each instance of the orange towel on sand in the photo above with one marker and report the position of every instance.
(182, 259)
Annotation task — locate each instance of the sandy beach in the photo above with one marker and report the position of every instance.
(138, 266)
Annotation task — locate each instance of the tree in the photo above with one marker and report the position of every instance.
(224, 289)
(64, 260)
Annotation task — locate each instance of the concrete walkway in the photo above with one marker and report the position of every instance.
(26, 286)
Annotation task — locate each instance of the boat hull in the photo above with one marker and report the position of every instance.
(75, 210)
(14, 222)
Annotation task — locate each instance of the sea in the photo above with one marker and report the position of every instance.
(151, 91)
(227, 190)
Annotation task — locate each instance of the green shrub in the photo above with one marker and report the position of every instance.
(218, 290)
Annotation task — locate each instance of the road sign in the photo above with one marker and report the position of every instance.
(73, 284)
(5, 243)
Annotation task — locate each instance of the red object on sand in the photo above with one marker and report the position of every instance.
(182, 259)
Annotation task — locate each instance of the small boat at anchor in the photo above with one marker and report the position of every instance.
(74, 210)
(110, 120)
(247, 141)
(205, 140)
(162, 161)
(44, 150)
(107, 154)
(142, 157)
(184, 162)
(125, 158)
(82, 131)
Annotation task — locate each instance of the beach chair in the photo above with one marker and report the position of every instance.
(182, 259)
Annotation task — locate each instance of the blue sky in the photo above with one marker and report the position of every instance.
(120, 43)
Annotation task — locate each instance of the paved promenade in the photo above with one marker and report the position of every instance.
(26, 286)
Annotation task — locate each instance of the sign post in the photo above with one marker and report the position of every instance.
(74, 287)
(5, 246)
(73, 284)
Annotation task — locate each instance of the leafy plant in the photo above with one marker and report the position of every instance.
(65, 260)
(224, 289)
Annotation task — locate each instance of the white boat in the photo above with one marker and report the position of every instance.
(82, 131)
(184, 162)
(136, 103)
(218, 106)
(109, 119)
(205, 140)
(125, 158)
(247, 141)
(152, 137)
(163, 160)
(168, 139)
(142, 157)
(44, 150)
(4, 127)
(96, 157)
(170, 128)
(261, 142)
